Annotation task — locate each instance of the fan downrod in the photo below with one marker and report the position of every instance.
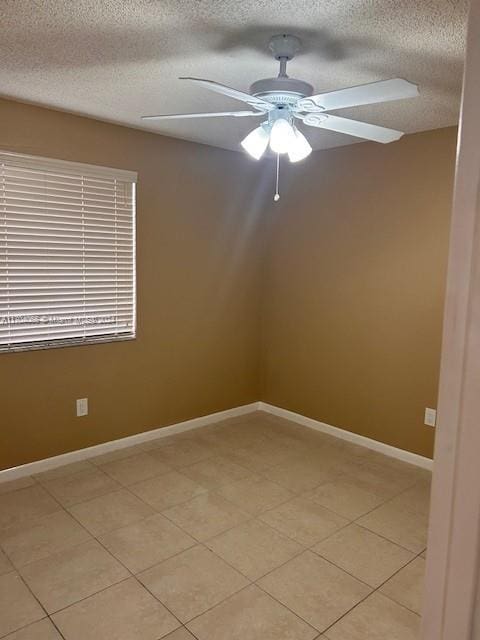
(282, 90)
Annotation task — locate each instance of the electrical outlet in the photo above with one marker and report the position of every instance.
(82, 407)
(430, 417)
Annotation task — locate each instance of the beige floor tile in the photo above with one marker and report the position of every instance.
(338, 482)
(142, 544)
(416, 499)
(404, 527)
(255, 494)
(181, 453)
(179, 634)
(377, 618)
(250, 614)
(384, 481)
(71, 575)
(254, 548)
(344, 498)
(242, 441)
(363, 554)
(167, 490)
(5, 564)
(406, 587)
(314, 589)
(42, 630)
(81, 486)
(260, 456)
(110, 512)
(332, 458)
(134, 469)
(24, 504)
(417, 474)
(42, 537)
(192, 582)
(239, 456)
(206, 516)
(303, 521)
(125, 611)
(64, 471)
(291, 441)
(299, 476)
(214, 472)
(18, 607)
(215, 440)
(13, 485)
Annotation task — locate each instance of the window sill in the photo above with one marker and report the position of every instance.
(59, 344)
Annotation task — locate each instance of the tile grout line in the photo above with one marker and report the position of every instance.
(47, 615)
(252, 517)
(202, 542)
(382, 594)
(131, 574)
(248, 586)
(373, 590)
(50, 616)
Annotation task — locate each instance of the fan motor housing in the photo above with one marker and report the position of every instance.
(282, 90)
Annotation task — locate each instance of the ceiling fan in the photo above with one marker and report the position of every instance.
(281, 101)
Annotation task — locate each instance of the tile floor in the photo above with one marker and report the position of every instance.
(250, 529)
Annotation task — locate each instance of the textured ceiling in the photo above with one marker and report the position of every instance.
(116, 60)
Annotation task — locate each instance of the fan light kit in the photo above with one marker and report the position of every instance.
(284, 101)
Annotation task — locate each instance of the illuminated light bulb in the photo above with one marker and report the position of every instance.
(282, 136)
(300, 148)
(256, 142)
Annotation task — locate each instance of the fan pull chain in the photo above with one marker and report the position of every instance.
(276, 197)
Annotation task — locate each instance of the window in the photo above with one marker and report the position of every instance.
(67, 253)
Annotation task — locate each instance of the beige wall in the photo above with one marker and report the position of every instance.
(339, 319)
(354, 287)
(198, 265)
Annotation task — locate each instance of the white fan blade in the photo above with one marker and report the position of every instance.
(220, 114)
(258, 103)
(370, 93)
(353, 128)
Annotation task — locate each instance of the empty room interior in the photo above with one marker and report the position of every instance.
(224, 237)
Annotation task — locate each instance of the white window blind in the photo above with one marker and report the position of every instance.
(67, 253)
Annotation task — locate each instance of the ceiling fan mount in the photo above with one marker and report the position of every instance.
(284, 46)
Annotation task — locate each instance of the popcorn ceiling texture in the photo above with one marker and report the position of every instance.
(118, 60)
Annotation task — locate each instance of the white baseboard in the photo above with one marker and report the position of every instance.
(386, 449)
(161, 432)
(90, 452)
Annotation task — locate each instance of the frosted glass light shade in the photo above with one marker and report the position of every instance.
(256, 142)
(282, 136)
(300, 148)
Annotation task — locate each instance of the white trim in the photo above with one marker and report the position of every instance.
(161, 432)
(90, 452)
(53, 164)
(386, 449)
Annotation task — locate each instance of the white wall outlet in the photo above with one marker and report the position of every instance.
(430, 417)
(82, 407)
